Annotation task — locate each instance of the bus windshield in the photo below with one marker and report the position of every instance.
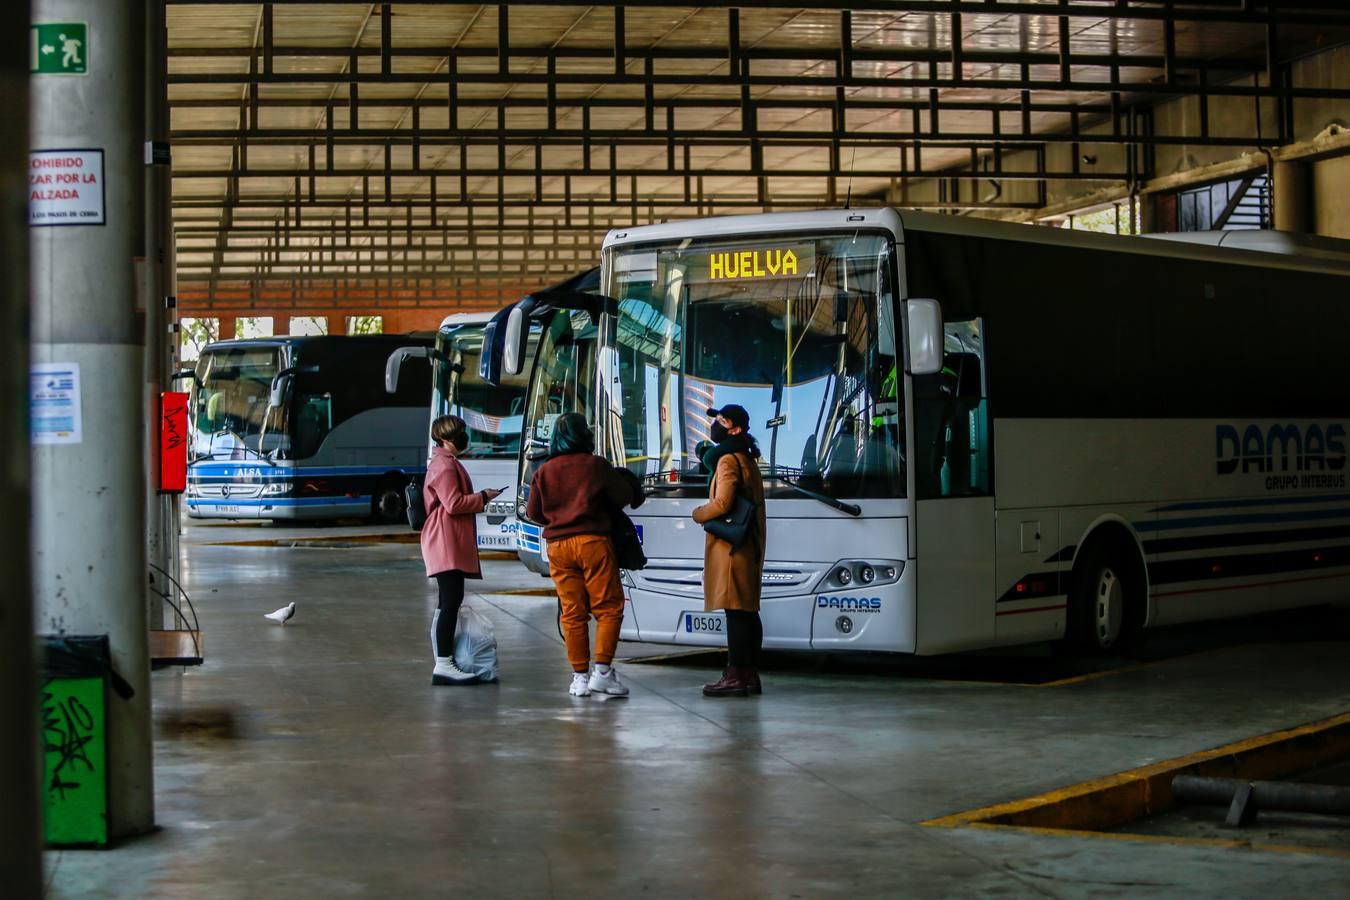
(562, 383)
(494, 414)
(800, 331)
(230, 416)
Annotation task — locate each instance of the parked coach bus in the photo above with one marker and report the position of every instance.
(301, 428)
(975, 434)
(559, 342)
(493, 414)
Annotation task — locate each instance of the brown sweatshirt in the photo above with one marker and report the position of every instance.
(573, 494)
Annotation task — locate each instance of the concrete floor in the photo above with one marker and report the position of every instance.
(344, 774)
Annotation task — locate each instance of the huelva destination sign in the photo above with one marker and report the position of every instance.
(795, 261)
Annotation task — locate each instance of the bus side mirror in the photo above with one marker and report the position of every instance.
(513, 355)
(923, 320)
(276, 396)
(394, 364)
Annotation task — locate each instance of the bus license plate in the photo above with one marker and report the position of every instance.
(504, 540)
(229, 509)
(700, 623)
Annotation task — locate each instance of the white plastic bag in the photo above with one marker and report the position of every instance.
(476, 644)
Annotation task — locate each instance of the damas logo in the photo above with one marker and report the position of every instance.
(1290, 456)
(851, 604)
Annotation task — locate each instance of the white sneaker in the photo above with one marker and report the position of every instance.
(579, 687)
(606, 682)
(447, 672)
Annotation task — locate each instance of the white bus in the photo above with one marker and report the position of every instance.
(492, 413)
(468, 383)
(975, 434)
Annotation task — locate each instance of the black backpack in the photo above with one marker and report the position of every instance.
(627, 546)
(417, 511)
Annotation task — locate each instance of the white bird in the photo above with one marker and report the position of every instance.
(281, 615)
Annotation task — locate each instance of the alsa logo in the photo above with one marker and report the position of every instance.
(1279, 448)
(853, 604)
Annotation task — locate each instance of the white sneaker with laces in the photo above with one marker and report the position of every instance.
(605, 681)
(447, 672)
(579, 686)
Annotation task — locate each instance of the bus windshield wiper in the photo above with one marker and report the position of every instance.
(852, 509)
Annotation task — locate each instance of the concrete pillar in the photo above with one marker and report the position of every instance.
(161, 537)
(89, 515)
(1292, 197)
(337, 324)
(228, 328)
(20, 825)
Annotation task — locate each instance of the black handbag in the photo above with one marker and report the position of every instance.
(412, 495)
(627, 544)
(735, 525)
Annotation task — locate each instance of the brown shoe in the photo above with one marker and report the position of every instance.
(752, 682)
(732, 684)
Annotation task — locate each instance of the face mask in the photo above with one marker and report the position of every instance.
(718, 432)
(460, 442)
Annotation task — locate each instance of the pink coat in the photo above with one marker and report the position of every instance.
(450, 535)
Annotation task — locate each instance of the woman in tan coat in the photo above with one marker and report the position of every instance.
(732, 576)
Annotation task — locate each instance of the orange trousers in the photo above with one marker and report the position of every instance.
(586, 575)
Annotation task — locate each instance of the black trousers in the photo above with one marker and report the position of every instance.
(451, 585)
(745, 635)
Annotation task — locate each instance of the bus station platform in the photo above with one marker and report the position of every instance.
(314, 758)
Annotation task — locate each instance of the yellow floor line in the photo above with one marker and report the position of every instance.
(1118, 799)
(1228, 844)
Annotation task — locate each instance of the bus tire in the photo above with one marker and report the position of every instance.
(1106, 601)
(387, 503)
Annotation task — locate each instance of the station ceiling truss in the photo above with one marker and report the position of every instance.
(419, 149)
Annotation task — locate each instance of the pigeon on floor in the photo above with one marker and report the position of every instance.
(281, 615)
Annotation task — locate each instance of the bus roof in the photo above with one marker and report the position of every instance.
(1297, 253)
(473, 318)
(291, 340)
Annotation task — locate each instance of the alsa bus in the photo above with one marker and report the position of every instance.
(974, 434)
(493, 413)
(300, 428)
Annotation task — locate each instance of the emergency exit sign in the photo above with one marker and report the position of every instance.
(60, 48)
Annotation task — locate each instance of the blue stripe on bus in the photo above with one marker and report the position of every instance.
(285, 501)
(284, 472)
(1264, 501)
(1244, 519)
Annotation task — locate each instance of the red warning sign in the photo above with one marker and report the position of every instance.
(65, 187)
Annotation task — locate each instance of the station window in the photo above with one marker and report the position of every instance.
(194, 334)
(253, 327)
(1236, 204)
(365, 324)
(304, 325)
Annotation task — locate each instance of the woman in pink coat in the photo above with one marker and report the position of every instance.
(450, 539)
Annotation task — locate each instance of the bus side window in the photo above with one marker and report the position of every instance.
(952, 418)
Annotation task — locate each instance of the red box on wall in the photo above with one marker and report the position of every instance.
(173, 442)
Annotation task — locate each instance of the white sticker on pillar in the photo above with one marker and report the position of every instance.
(65, 187)
(54, 403)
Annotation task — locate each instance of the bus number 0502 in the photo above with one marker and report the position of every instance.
(713, 624)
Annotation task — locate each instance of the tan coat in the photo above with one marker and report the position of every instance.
(732, 577)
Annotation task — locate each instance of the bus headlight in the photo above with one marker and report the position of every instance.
(276, 488)
(868, 572)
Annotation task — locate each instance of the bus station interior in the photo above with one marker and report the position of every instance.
(312, 171)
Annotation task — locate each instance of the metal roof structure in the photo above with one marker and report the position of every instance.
(409, 152)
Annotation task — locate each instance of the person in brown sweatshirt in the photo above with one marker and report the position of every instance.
(573, 496)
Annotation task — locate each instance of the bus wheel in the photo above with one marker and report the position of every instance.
(1105, 603)
(387, 505)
